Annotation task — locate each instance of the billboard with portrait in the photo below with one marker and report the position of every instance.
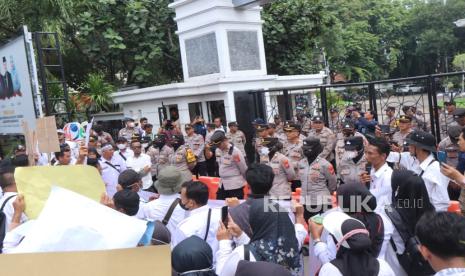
(16, 97)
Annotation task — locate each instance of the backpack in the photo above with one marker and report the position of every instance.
(3, 229)
(161, 235)
(411, 260)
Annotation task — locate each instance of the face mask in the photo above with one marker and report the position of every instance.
(131, 125)
(92, 161)
(122, 146)
(264, 151)
(145, 145)
(349, 155)
(159, 144)
(99, 151)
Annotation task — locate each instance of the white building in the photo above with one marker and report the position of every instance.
(223, 57)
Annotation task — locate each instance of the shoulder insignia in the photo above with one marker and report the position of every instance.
(236, 158)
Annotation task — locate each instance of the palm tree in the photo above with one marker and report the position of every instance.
(96, 93)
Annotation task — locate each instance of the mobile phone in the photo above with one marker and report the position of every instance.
(318, 219)
(224, 215)
(442, 157)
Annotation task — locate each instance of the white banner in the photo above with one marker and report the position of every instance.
(16, 98)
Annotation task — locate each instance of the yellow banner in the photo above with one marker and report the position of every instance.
(35, 184)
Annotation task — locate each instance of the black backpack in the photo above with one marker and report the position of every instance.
(3, 229)
(411, 260)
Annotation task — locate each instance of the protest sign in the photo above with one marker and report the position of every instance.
(35, 183)
(88, 129)
(150, 260)
(73, 131)
(29, 139)
(47, 137)
(72, 222)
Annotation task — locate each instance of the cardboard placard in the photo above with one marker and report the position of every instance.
(29, 140)
(47, 137)
(150, 260)
(35, 184)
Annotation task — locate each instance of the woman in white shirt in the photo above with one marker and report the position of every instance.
(275, 239)
(353, 246)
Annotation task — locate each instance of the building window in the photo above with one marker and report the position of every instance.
(216, 109)
(195, 109)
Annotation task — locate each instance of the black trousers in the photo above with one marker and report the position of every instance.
(200, 169)
(212, 167)
(222, 194)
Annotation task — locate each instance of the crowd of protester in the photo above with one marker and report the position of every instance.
(373, 198)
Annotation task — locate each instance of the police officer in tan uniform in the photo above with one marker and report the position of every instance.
(197, 144)
(293, 148)
(232, 167)
(283, 171)
(326, 136)
(262, 133)
(279, 125)
(183, 157)
(305, 123)
(212, 166)
(450, 145)
(405, 128)
(334, 120)
(318, 178)
(391, 117)
(160, 154)
(348, 130)
(236, 137)
(353, 162)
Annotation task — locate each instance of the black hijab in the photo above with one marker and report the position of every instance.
(356, 260)
(245, 268)
(366, 214)
(273, 239)
(193, 257)
(409, 197)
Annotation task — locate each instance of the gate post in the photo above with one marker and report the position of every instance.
(324, 105)
(287, 107)
(435, 111)
(429, 89)
(372, 100)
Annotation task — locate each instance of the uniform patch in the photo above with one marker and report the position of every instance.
(331, 169)
(286, 164)
(236, 158)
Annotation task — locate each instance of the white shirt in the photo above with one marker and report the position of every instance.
(228, 259)
(138, 164)
(329, 269)
(157, 209)
(196, 224)
(405, 160)
(436, 183)
(110, 174)
(387, 250)
(380, 186)
(9, 210)
(127, 153)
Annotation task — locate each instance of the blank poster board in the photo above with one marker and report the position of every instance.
(47, 134)
(150, 260)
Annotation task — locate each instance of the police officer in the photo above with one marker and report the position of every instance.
(279, 125)
(446, 118)
(348, 130)
(236, 137)
(353, 161)
(129, 130)
(232, 166)
(160, 154)
(326, 136)
(305, 123)
(459, 117)
(391, 117)
(450, 145)
(293, 148)
(283, 171)
(405, 128)
(197, 144)
(212, 166)
(334, 121)
(262, 133)
(317, 177)
(183, 157)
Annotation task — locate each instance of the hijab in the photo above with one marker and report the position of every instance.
(356, 260)
(409, 197)
(366, 214)
(193, 257)
(245, 268)
(273, 239)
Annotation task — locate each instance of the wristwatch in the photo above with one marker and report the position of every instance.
(315, 241)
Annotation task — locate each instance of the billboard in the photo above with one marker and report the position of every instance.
(16, 97)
